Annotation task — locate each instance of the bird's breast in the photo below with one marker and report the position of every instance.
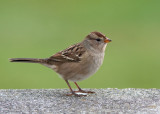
(96, 62)
(89, 68)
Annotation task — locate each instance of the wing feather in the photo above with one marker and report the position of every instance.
(71, 54)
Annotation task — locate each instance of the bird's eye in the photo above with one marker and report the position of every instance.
(98, 39)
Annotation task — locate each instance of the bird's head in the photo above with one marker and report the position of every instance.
(97, 41)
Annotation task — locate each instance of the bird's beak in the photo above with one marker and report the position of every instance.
(107, 40)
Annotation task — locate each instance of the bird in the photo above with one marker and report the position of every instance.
(76, 63)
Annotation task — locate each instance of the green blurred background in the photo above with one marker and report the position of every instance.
(40, 28)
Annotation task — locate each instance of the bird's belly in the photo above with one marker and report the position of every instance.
(79, 77)
(87, 71)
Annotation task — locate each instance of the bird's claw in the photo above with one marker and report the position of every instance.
(77, 95)
(82, 91)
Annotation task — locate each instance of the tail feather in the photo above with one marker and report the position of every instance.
(27, 60)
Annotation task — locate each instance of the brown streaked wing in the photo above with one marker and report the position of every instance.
(71, 54)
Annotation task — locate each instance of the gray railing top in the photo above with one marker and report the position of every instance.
(103, 101)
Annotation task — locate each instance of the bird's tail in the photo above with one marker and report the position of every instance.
(27, 60)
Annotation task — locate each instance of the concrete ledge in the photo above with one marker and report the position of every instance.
(40, 101)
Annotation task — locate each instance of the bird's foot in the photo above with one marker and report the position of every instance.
(77, 95)
(82, 91)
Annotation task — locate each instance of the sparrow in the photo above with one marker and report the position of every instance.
(76, 63)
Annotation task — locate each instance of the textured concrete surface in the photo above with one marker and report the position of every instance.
(110, 101)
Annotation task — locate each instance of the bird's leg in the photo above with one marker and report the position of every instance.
(72, 92)
(82, 91)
